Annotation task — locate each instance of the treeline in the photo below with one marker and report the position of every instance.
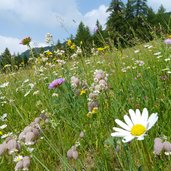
(9, 62)
(128, 24)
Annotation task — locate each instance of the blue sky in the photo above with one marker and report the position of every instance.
(35, 18)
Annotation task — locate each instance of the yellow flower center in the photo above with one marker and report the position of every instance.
(138, 130)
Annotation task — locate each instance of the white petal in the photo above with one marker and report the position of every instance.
(152, 120)
(141, 137)
(144, 115)
(121, 130)
(117, 134)
(122, 124)
(138, 115)
(128, 138)
(133, 116)
(128, 121)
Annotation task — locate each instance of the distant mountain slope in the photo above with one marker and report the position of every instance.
(37, 50)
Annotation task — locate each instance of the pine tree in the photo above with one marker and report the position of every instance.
(116, 25)
(140, 8)
(163, 19)
(99, 35)
(83, 35)
(129, 11)
(161, 10)
(5, 58)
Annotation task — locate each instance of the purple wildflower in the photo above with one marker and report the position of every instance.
(56, 83)
(167, 41)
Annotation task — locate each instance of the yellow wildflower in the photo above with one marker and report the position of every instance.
(69, 42)
(82, 92)
(94, 111)
(100, 49)
(73, 46)
(48, 53)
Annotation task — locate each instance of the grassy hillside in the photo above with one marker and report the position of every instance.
(138, 78)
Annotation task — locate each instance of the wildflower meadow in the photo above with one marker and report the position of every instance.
(107, 111)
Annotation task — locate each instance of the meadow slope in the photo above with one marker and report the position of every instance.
(138, 78)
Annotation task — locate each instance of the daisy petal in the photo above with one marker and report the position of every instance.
(133, 116)
(140, 138)
(127, 138)
(117, 134)
(152, 120)
(121, 130)
(144, 115)
(138, 115)
(128, 121)
(122, 124)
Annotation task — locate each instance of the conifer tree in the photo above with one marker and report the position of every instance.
(99, 35)
(83, 35)
(5, 58)
(116, 21)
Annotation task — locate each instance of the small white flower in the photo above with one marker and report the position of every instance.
(25, 81)
(27, 93)
(135, 126)
(149, 47)
(167, 153)
(31, 85)
(3, 117)
(4, 85)
(55, 95)
(6, 135)
(3, 126)
(167, 59)
(29, 149)
(18, 158)
(136, 51)
(146, 46)
(157, 53)
(160, 56)
(48, 38)
(36, 92)
(165, 69)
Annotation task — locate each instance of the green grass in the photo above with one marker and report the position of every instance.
(136, 88)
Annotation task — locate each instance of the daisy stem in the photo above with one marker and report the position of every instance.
(147, 156)
(128, 156)
(120, 162)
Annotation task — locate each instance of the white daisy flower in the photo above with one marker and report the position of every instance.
(18, 158)
(135, 126)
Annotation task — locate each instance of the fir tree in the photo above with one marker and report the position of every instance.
(5, 58)
(116, 25)
(83, 35)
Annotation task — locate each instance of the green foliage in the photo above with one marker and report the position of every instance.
(130, 85)
(135, 20)
(83, 35)
(6, 58)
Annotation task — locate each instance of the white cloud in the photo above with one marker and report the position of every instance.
(155, 4)
(50, 13)
(13, 44)
(30, 16)
(100, 14)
